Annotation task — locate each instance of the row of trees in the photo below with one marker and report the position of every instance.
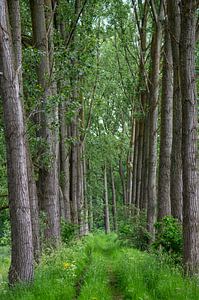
(80, 87)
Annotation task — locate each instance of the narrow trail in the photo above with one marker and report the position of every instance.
(114, 285)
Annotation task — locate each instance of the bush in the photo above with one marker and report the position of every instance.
(169, 237)
(133, 232)
(68, 231)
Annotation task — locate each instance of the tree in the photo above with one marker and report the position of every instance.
(48, 176)
(164, 205)
(21, 268)
(189, 138)
(153, 116)
(176, 159)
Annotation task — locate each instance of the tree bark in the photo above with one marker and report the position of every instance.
(106, 203)
(21, 268)
(153, 121)
(189, 138)
(15, 21)
(114, 205)
(176, 159)
(48, 179)
(65, 164)
(164, 204)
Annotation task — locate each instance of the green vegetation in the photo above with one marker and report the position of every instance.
(98, 267)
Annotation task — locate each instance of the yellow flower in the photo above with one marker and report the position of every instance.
(66, 265)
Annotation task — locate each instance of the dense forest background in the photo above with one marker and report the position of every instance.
(99, 126)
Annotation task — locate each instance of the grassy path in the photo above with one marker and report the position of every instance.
(97, 268)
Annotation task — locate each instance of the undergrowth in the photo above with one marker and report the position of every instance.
(99, 268)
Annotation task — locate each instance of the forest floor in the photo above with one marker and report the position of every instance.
(99, 268)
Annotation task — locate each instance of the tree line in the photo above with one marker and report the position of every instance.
(98, 100)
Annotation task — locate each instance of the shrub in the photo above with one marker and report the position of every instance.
(68, 231)
(169, 237)
(133, 232)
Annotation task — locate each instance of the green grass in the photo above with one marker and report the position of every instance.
(98, 268)
(4, 265)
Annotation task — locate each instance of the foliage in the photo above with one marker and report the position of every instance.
(133, 232)
(5, 237)
(169, 237)
(68, 231)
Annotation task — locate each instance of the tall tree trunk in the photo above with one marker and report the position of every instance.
(176, 159)
(139, 164)
(145, 165)
(73, 173)
(65, 163)
(106, 203)
(114, 205)
(135, 160)
(153, 121)
(15, 22)
(130, 165)
(189, 138)
(21, 268)
(48, 179)
(122, 177)
(164, 204)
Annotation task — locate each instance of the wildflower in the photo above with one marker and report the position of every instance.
(66, 265)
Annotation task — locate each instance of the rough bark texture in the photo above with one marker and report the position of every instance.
(189, 138)
(164, 205)
(65, 164)
(48, 180)
(176, 159)
(73, 173)
(21, 268)
(15, 21)
(153, 123)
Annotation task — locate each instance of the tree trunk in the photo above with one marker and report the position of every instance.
(176, 159)
(130, 165)
(15, 22)
(48, 179)
(135, 160)
(189, 138)
(114, 205)
(65, 164)
(21, 268)
(122, 177)
(73, 173)
(153, 122)
(106, 203)
(164, 205)
(139, 164)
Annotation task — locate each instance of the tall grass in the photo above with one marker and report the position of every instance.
(98, 268)
(142, 276)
